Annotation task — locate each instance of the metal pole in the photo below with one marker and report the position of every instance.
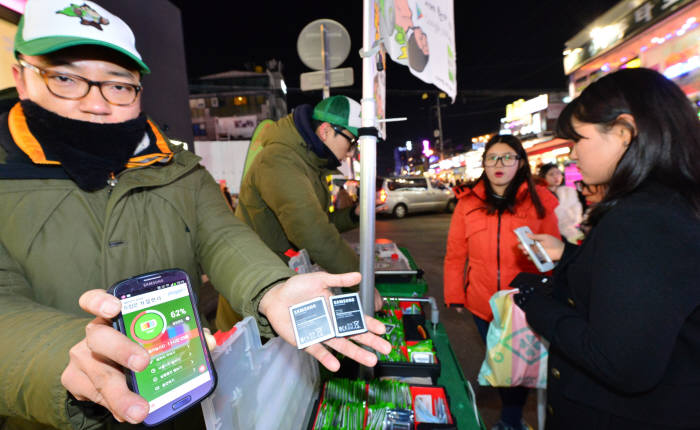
(439, 114)
(324, 60)
(368, 167)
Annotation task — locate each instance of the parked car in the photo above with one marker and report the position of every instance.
(408, 194)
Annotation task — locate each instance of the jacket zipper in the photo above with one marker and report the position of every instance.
(112, 182)
(498, 254)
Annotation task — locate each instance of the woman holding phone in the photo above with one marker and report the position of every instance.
(481, 236)
(623, 319)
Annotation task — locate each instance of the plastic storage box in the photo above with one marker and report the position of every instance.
(411, 371)
(407, 285)
(260, 387)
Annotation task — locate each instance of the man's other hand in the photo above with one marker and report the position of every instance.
(94, 371)
(275, 306)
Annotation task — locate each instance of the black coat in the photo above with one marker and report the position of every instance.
(624, 320)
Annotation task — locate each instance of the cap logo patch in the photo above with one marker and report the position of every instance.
(87, 15)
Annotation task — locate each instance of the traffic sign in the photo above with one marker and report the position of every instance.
(316, 80)
(310, 44)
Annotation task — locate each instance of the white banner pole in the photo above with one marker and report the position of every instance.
(368, 165)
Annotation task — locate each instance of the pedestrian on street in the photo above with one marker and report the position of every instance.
(623, 317)
(285, 195)
(481, 236)
(569, 210)
(91, 193)
(343, 199)
(590, 195)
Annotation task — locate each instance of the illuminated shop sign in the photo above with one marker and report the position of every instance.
(605, 37)
(682, 67)
(521, 109)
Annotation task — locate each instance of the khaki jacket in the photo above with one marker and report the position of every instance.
(285, 198)
(57, 241)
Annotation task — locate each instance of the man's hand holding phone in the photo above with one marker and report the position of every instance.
(275, 306)
(94, 371)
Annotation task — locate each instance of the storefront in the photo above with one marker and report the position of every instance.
(534, 118)
(462, 168)
(555, 151)
(658, 34)
(534, 121)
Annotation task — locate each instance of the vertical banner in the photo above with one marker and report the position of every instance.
(7, 53)
(420, 34)
(379, 76)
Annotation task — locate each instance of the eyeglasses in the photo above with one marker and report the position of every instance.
(74, 87)
(507, 160)
(339, 130)
(581, 186)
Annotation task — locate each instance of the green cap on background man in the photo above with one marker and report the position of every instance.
(52, 25)
(341, 111)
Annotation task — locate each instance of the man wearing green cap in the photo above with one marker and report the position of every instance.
(93, 193)
(285, 195)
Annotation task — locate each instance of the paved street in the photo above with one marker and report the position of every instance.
(425, 235)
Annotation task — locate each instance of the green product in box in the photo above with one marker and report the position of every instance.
(345, 390)
(381, 391)
(421, 352)
(376, 415)
(395, 335)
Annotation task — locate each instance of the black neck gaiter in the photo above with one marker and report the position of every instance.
(89, 152)
(302, 120)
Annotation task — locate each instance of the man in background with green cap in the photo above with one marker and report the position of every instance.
(93, 193)
(285, 195)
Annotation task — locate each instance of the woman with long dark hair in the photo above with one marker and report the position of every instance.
(623, 319)
(481, 236)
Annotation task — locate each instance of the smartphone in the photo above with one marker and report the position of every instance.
(537, 253)
(159, 313)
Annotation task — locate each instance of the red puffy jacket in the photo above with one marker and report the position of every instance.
(490, 246)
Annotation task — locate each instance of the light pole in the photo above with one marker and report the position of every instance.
(438, 107)
(439, 115)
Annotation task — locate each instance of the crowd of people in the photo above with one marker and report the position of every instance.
(92, 192)
(622, 312)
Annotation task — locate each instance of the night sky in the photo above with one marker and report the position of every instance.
(501, 45)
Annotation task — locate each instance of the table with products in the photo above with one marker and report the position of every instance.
(422, 360)
(419, 385)
(451, 377)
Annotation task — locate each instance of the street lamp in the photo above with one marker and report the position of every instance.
(441, 95)
(439, 136)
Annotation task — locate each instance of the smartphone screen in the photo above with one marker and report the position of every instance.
(158, 313)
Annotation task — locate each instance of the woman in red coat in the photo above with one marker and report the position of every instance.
(481, 237)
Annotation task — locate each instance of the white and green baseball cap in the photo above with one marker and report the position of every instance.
(50, 25)
(339, 110)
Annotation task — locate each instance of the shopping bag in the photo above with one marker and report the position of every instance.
(515, 355)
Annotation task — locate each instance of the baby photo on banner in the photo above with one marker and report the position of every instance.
(420, 34)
